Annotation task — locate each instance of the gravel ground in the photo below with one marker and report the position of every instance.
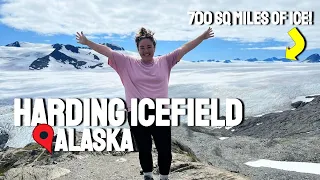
(102, 167)
(127, 167)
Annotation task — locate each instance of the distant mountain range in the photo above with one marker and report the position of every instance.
(35, 56)
(314, 58)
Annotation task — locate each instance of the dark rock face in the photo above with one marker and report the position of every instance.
(96, 57)
(43, 62)
(15, 44)
(313, 58)
(4, 137)
(72, 48)
(112, 46)
(68, 47)
(40, 63)
(298, 104)
(97, 65)
(57, 46)
(61, 57)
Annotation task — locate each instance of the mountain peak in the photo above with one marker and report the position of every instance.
(271, 59)
(15, 44)
(112, 46)
(68, 47)
(252, 59)
(313, 58)
(57, 46)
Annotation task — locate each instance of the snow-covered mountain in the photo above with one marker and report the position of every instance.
(311, 58)
(35, 56)
(68, 56)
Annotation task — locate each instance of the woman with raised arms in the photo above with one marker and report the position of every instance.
(147, 77)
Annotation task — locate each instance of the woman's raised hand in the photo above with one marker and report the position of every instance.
(81, 38)
(208, 33)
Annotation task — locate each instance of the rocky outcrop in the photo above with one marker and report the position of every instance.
(40, 63)
(72, 48)
(15, 44)
(300, 103)
(275, 136)
(4, 137)
(68, 47)
(96, 57)
(57, 46)
(303, 120)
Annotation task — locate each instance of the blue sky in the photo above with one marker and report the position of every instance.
(58, 24)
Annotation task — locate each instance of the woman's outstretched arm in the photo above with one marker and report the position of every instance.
(96, 47)
(194, 43)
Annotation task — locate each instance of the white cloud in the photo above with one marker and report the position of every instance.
(168, 19)
(267, 48)
(107, 37)
(93, 37)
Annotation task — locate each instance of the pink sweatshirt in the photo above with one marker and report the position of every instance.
(142, 80)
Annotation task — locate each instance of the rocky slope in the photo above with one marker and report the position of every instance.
(291, 135)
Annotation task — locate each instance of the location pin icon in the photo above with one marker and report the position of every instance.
(43, 135)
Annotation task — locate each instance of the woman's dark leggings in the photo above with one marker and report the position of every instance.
(162, 139)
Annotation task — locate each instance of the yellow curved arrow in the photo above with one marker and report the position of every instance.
(300, 44)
